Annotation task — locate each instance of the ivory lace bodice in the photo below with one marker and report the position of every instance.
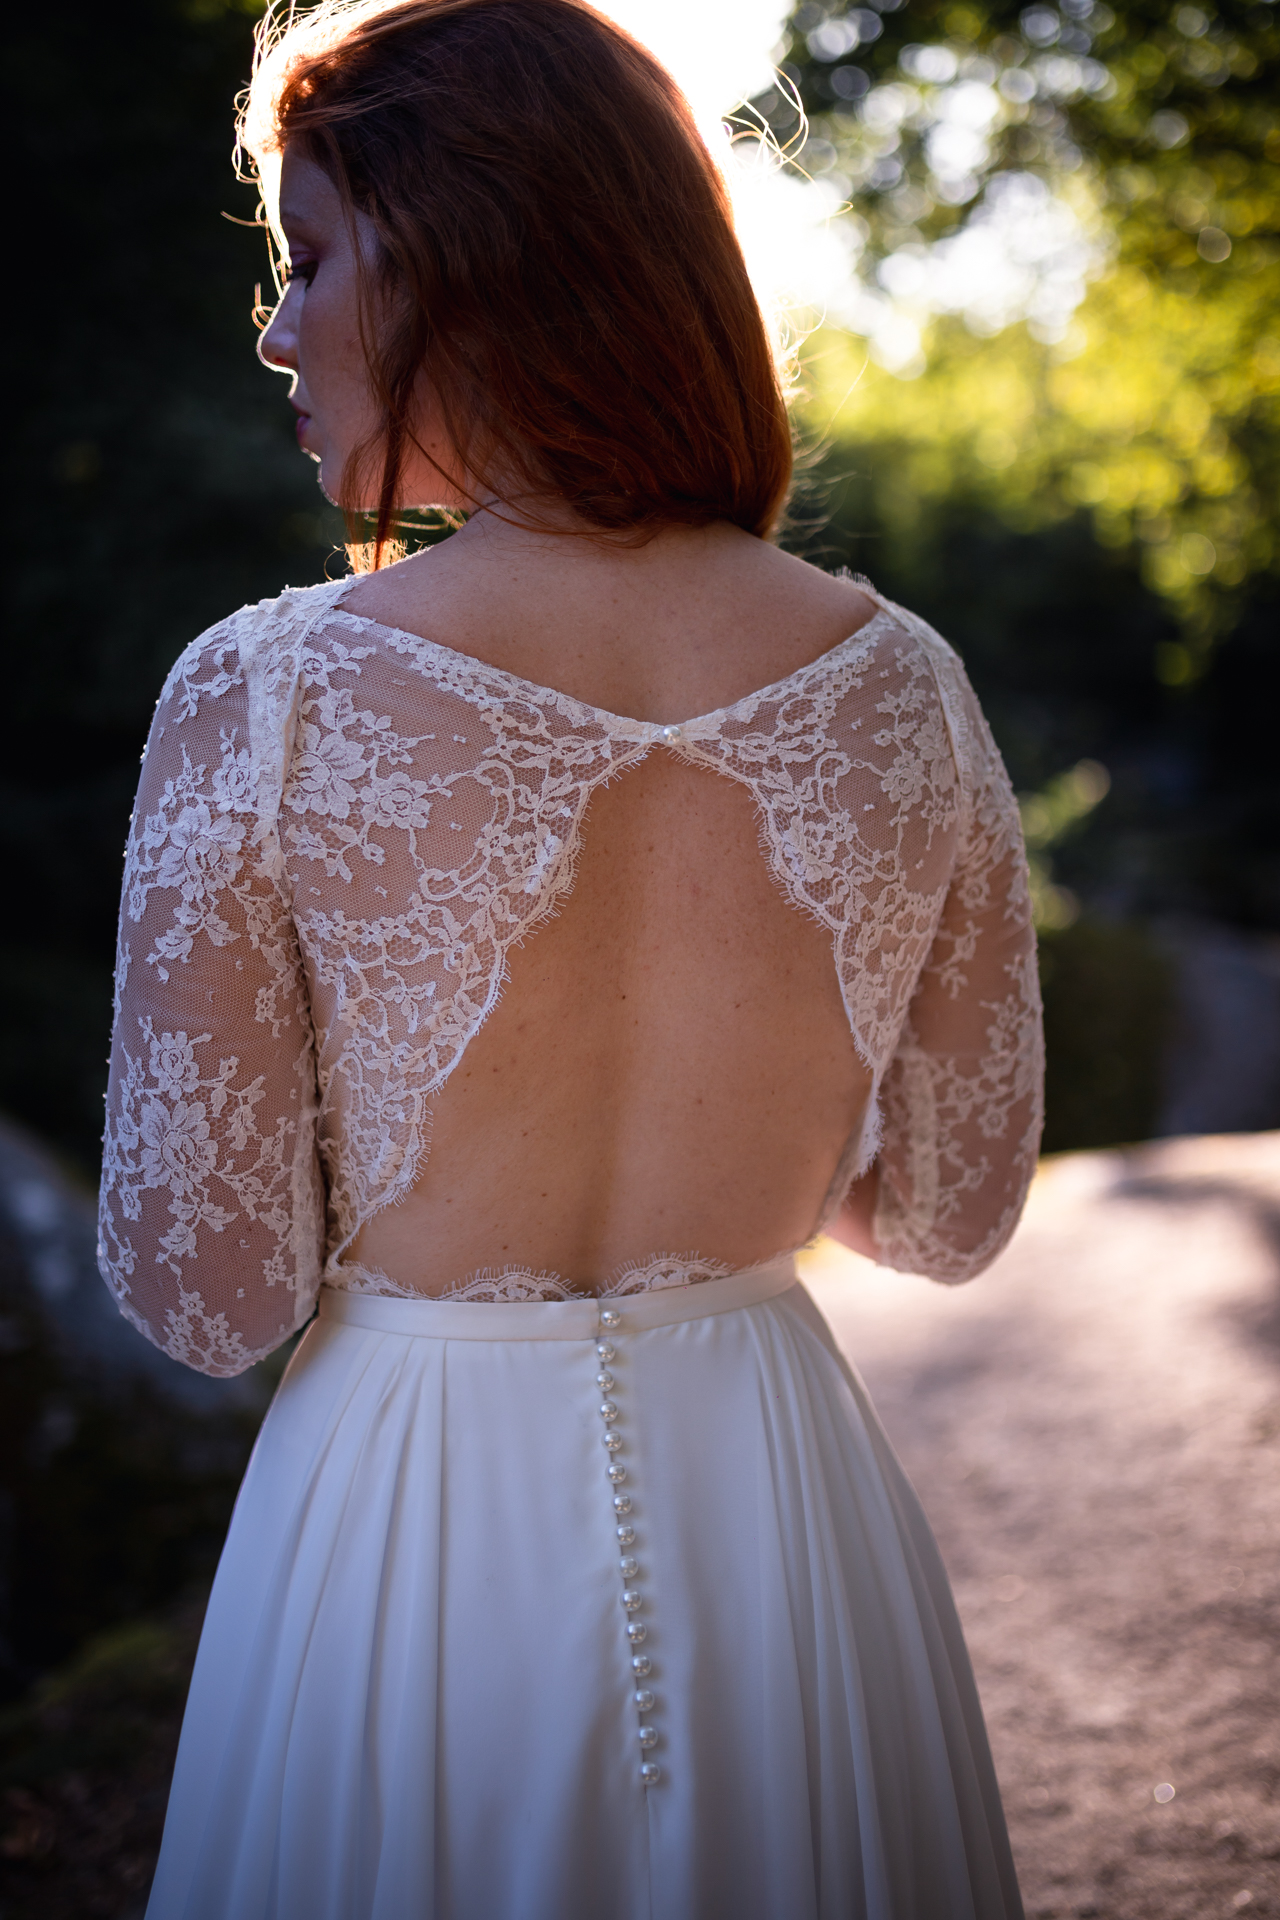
(341, 831)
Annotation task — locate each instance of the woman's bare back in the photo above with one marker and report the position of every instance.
(428, 968)
(670, 1067)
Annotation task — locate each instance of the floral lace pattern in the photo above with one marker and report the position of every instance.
(341, 831)
(514, 1284)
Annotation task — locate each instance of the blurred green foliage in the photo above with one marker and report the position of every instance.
(92, 1711)
(1108, 998)
(1157, 411)
(85, 1763)
(112, 1502)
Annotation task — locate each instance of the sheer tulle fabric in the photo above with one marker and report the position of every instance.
(341, 831)
(415, 1692)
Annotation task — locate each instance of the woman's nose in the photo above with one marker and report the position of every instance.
(278, 341)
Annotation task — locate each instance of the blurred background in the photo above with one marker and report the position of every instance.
(1031, 259)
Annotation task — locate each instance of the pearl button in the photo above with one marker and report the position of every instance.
(617, 1473)
(626, 1535)
(632, 1599)
(609, 1317)
(671, 735)
(637, 1632)
(612, 1440)
(641, 1666)
(650, 1773)
(608, 1410)
(604, 1351)
(630, 1567)
(604, 1381)
(648, 1737)
(622, 1504)
(644, 1700)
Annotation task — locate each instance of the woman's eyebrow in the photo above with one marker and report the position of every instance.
(294, 217)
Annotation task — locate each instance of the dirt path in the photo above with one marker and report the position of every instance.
(1094, 1428)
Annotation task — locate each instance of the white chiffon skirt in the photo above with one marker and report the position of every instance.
(490, 1642)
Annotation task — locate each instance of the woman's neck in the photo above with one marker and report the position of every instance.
(685, 622)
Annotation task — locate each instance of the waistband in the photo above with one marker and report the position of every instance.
(586, 1319)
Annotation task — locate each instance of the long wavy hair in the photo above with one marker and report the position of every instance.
(556, 258)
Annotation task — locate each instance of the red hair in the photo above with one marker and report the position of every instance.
(557, 258)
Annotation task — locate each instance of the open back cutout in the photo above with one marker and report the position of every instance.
(347, 835)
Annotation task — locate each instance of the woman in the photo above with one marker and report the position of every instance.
(470, 987)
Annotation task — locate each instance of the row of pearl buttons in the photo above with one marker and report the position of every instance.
(632, 1598)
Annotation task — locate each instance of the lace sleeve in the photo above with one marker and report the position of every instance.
(963, 1096)
(211, 1206)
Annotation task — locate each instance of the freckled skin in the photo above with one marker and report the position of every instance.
(704, 1119)
(711, 1116)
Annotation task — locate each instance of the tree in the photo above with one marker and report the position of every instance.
(1142, 380)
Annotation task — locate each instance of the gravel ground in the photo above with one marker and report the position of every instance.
(1094, 1429)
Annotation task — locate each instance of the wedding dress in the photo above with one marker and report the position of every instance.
(536, 1603)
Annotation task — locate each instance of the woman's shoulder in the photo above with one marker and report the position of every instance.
(954, 686)
(260, 638)
(229, 704)
(977, 756)
(851, 601)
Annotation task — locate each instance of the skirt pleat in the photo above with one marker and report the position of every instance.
(414, 1697)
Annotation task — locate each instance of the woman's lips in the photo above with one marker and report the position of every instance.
(304, 421)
